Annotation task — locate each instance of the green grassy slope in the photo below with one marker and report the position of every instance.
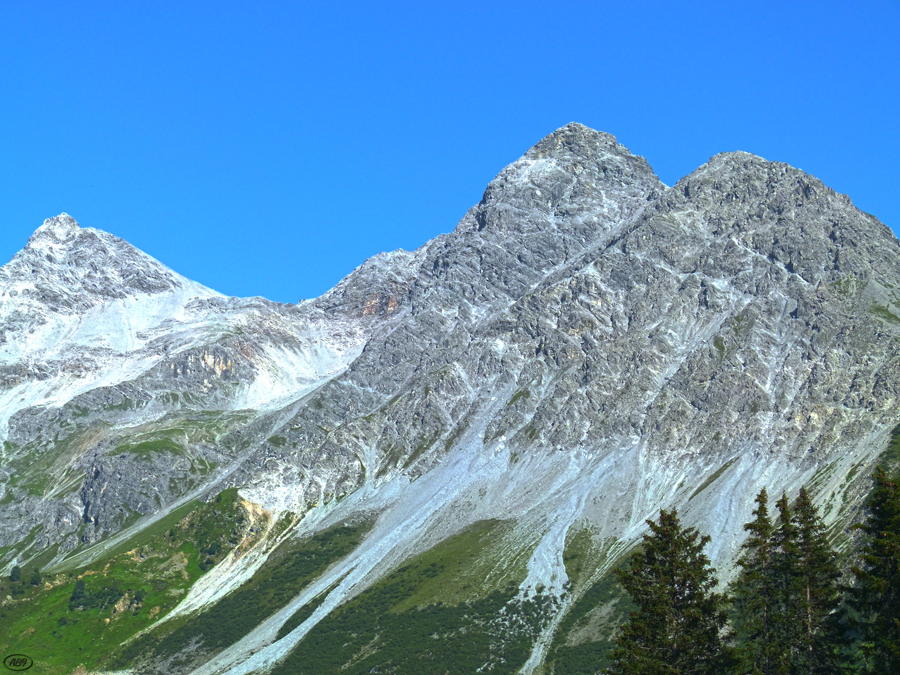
(416, 621)
(289, 569)
(127, 591)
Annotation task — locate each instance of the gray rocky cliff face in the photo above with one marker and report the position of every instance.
(586, 347)
(728, 316)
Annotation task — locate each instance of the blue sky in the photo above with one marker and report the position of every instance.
(268, 150)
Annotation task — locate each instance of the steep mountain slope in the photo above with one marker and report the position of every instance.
(102, 344)
(498, 411)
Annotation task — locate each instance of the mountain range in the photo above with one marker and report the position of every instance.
(435, 466)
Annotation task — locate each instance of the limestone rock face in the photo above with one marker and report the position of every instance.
(587, 346)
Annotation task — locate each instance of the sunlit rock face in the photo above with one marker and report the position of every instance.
(584, 310)
(587, 346)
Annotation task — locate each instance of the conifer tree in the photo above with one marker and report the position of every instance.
(786, 595)
(77, 594)
(676, 628)
(756, 599)
(876, 596)
(786, 631)
(817, 578)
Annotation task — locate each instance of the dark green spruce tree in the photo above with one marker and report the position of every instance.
(756, 599)
(817, 582)
(786, 596)
(787, 584)
(677, 626)
(876, 594)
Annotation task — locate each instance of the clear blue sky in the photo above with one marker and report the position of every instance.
(269, 148)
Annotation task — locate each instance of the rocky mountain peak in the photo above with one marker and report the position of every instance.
(575, 160)
(572, 190)
(745, 174)
(784, 214)
(67, 267)
(577, 139)
(58, 230)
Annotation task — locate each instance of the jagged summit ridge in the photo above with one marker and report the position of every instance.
(578, 143)
(574, 188)
(573, 169)
(70, 268)
(56, 230)
(82, 286)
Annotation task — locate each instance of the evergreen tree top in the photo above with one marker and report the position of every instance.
(876, 595)
(677, 625)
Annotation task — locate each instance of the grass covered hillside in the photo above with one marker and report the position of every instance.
(79, 617)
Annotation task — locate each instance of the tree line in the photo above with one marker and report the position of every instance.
(787, 612)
